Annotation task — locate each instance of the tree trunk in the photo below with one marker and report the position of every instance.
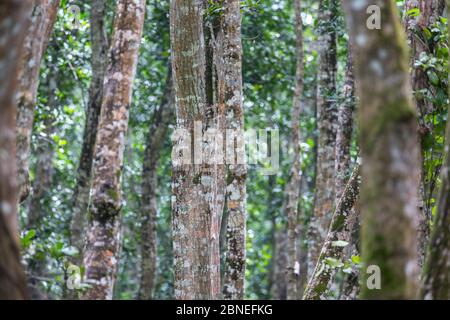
(103, 237)
(327, 118)
(390, 153)
(437, 266)
(345, 130)
(80, 200)
(42, 183)
(156, 138)
(13, 26)
(293, 187)
(197, 189)
(236, 195)
(339, 235)
(430, 10)
(42, 21)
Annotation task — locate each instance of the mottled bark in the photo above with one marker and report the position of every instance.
(340, 232)
(344, 130)
(13, 25)
(157, 136)
(293, 186)
(103, 235)
(197, 192)
(430, 10)
(236, 194)
(436, 277)
(389, 149)
(327, 119)
(43, 18)
(80, 199)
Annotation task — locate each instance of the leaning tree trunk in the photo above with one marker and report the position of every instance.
(13, 25)
(197, 188)
(42, 21)
(293, 186)
(80, 200)
(327, 117)
(103, 237)
(430, 10)
(389, 149)
(157, 136)
(338, 237)
(437, 267)
(234, 282)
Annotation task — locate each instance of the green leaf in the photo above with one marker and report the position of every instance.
(356, 259)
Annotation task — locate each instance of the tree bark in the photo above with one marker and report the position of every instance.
(156, 138)
(80, 200)
(197, 189)
(341, 229)
(327, 118)
(236, 195)
(345, 130)
(436, 277)
(13, 25)
(390, 153)
(103, 237)
(293, 187)
(430, 10)
(43, 18)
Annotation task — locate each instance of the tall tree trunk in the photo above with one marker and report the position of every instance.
(430, 10)
(13, 25)
(293, 186)
(234, 282)
(390, 153)
(42, 21)
(42, 183)
(197, 192)
(156, 138)
(80, 200)
(437, 266)
(327, 117)
(338, 237)
(345, 130)
(103, 237)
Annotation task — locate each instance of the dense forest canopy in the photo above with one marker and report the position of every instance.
(224, 149)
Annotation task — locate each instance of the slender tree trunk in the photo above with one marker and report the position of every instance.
(338, 237)
(13, 26)
(42, 21)
(437, 266)
(293, 186)
(156, 138)
(345, 130)
(327, 118)
(430, 10)
(80, 200)
(234, 282)
(42, 183)
(197, 192)
(390, 153)
(103, 237)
